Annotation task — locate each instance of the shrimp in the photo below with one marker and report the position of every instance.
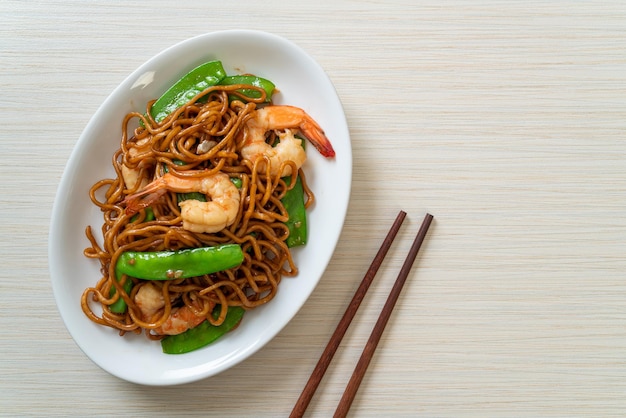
(149, 300)
(131, 175)
(181, 320)
(212, 216)
(289, 148)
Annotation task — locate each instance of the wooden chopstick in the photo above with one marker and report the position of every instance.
(335, 339)
(370, 346)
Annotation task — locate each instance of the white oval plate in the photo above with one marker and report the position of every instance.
(303, 83)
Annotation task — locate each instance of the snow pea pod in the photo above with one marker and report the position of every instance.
(203, 334)
(119, 306)
(149, 215)
(181, 264)
(197, 80)
(293, 201)
(250, 80)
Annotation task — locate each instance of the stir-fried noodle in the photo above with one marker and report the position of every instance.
(199, 139)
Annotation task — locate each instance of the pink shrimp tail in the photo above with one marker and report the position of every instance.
(315, 134)
(285, 117)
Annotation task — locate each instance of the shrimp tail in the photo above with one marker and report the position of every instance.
(317, 137)
(285, 117)
(145, 197)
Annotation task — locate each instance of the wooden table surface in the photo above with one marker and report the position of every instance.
(505, 120)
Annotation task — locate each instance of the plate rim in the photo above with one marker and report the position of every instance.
(83, 143)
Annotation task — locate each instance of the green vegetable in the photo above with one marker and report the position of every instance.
(197, 80)
(293, 201)
(149, 215)
(167, 265)
(251, 80)
(203, 334)
(119, 306)
(190, 196)
(237, 182)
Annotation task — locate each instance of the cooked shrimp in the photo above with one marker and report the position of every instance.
(149, 300)
(288, 149)
(211, 216)
(181, 320)
(131, 175)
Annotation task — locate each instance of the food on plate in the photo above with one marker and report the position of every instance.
(208, 198)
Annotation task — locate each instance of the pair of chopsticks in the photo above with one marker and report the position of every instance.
(370, 346)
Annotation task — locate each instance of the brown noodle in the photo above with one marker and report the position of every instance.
(172, 146)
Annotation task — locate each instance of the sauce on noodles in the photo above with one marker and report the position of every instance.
(200, 139)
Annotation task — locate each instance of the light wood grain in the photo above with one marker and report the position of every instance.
(505, 120)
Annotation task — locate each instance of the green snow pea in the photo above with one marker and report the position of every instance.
(250, 80)
(203, 334)
(149, 215)
(293, 201)
(197, 80)
(119, 306)
(237, 182)
(167, 265)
